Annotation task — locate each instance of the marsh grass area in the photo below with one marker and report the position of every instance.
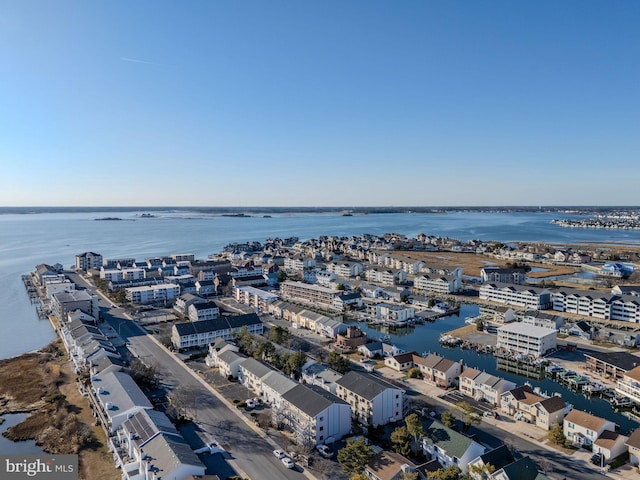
(60, 421)
(472, 263)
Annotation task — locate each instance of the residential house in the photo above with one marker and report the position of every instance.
(629, 385)
(582, 428)
(522, 469)
(448, 446)
(611, 445)
(388, 465)
(400, 362)
(351, 339)
(484, 387)
(438, 370)
(633, 443)
(183, 302)
(490, 462)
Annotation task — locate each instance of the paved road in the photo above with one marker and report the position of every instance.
(251, 455)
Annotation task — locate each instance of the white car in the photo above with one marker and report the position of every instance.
(324, 451)
(250, 404)
(288, 462)
(279, 453)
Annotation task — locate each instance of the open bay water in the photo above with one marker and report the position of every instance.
(32, 238)
(29, 239)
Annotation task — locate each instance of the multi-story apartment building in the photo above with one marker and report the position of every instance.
(391, 312)
(315, 415)
(88, 260)
(64, 302)
(599, 305)
(255, 297)
(526, 339)
(629, 385)
(515, 276)
(530, 298)
(201, 334)
(373, 400)
(200, 311)
(309, 294)
(542, 319)
(444, 284)
(153, 293)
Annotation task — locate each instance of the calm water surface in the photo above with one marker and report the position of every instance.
(27, 240)
(7, 447)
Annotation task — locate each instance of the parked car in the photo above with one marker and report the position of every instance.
(288, 462)
(324, 451)
(250, 404)
(597, 459)
(209, 448)
(279, 453)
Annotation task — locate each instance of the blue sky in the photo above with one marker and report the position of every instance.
(277, 103)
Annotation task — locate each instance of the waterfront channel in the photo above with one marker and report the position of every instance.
(424, 339)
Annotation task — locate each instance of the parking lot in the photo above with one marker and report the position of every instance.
(455, 397)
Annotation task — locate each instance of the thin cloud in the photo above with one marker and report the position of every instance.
(144, 62)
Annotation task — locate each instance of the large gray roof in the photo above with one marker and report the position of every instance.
(311, 399)
(278, 382)
(166, 453)
(364, 384)
(121, 391)
(453, 443)
(255, 367)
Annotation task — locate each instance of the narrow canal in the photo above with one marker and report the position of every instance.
(425, 339)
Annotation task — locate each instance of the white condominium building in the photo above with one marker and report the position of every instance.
(530, 298)
(526, 339)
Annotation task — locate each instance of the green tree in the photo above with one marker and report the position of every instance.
(144, 375)
(340, 286)
(120, 296)
(265, 351)
(556, 434)
(479, 325)
(339, 363)
(449, 473)
(414, 427)
(354, 456)
(447, 419)
(245, 340)
(414, 373)
(401, 441)
(279, 335)
(471, 417)
(295, 363)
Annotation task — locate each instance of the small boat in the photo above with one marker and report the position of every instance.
(594, 387)
(554, 369)
(620, 401)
